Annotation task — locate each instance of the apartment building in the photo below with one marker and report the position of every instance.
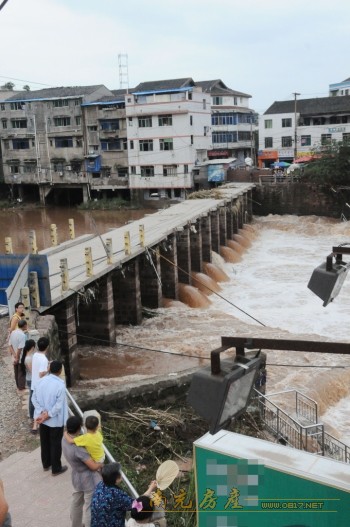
(340, 88)
(168, 130)
(232, 121)
(42, 137)
(294, 129)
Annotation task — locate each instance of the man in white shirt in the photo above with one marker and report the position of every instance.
(17, 341)
(51, 412)
(40, 363)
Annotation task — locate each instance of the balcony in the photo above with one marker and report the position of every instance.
(158, 181)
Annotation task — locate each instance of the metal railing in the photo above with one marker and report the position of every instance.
(310, 436)
(109, 456)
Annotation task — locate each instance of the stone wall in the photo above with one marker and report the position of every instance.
(47, 327)
(300, 199)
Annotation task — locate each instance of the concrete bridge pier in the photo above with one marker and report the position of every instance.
(150, 277)
(168, 267)
(196, 247)
(215, 231)
(240, 214)
(64, 314)
(222, 226)
(184, 255)
(250, 205)
(127, 294)
(96, 315)
(206, 237)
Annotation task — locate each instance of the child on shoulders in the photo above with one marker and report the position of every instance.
(92, 440)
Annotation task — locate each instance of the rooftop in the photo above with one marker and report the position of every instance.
(317, 106)
(52, 93)
(169, 84)
(218, 87)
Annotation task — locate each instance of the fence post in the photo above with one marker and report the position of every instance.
(109, 250)
(53, 234)
(142, 235)
(34, 289)
(32, 242)
(88, 262)
(64, 274)
(8, 245)
(26, 302)
(127, 246)
(71, 229)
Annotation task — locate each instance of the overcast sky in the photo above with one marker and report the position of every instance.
(268, 49)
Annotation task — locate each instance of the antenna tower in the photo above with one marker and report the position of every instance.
(123, 71)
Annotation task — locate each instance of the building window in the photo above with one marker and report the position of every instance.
(305, 140)
(204, 104)
(145, 122)
(334, 119)
(123, 172)
(286, 142)
(59, 166)
(79, 142)
(166, 144)
(217, 101)
(17, 106)
(131, 145)
(78, 120)
(20, 144)
(14, 169)
(130, 120)
(235, 101)
(190, 96)
(6, 144)
(4, 123)
(133, 170)
(191, 139)
(165, 120)
(268, 123)
(76, 102)
(92, 128)
(191, 120)
(60, 103)
(268, 142)
(224, 119)
(326, 139)
(205, 131)
(224, 137)
(110, 125)
(344, 119)
(63, 142)
(19, 123)
(307, 121)
(61, 121)
(110, 144)
(346, 138)
(93, 148)
(146, 145)
(2, 107)
(185, 169)
(244, 136)
(29, 168)
(287, 123)
(147, 171)
(169, 170)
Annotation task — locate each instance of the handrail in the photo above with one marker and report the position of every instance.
(109, 456)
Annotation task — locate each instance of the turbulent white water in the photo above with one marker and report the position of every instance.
(270, 283)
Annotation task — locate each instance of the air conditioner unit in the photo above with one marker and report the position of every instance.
(60, 174)
(91, 152)
(68, 167)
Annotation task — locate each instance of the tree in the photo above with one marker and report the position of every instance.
(8, 86)
(26, 87)
(333, 168)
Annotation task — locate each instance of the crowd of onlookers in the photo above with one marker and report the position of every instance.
(97, 499)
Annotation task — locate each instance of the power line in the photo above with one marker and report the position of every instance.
(23, 80)
(3, 4)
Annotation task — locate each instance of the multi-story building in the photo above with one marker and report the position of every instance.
(295, 128)
(42, 137)
(232, 121)
(340, 88)
(168, 130)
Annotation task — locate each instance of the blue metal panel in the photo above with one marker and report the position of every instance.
(9, 264)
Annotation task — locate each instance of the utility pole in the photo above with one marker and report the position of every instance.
(295, 125)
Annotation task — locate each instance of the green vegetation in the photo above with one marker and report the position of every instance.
(106, 204)
(333, 168)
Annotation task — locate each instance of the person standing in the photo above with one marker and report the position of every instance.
(51, 413)
(17, 342)
(85, 475)
(26, 365)
(40, 363)
(17, 316)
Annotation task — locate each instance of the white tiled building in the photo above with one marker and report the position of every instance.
(168, 130)
(313, 122)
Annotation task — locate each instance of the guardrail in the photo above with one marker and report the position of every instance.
(109, 456)
(288, 430)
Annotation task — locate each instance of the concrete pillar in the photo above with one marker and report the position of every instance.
(168, 266)
(96, 318)
(196, 246)
(42, 195)
(215, 231)
(240, 213)
(250, 205)
(184, 255)
(151, 289)
(64, 314)
(85, 194)
(245, 208)
(127, 294)
(235, 214)
(206, 238)
(222, 226)
(229, 220)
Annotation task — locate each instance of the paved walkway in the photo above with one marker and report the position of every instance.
(36, 499)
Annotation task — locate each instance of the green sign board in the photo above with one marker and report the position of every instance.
(246, 482)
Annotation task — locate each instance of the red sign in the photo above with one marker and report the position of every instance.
(216, 153)
(268, 154)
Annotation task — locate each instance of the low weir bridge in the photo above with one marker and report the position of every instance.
(97, 281)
